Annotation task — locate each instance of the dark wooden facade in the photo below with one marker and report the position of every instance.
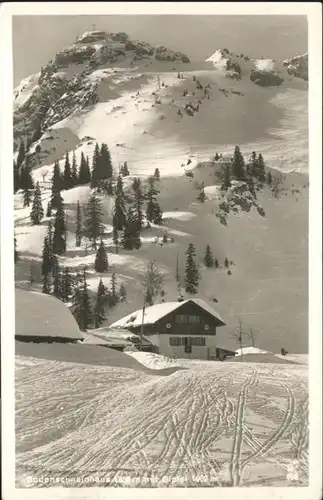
(188, 319)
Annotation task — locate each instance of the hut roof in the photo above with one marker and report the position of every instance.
(159, 311)
(41, 315)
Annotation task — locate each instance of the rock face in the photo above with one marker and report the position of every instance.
(297, 66)
(265, 78)
(64, 84)
(164, 54)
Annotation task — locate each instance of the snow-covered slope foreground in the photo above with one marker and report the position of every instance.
(214, 424)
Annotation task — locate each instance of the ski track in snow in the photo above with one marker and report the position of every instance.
(195, 425)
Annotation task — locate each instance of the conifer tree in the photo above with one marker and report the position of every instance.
(101, 264)
(115, 235)
(96, 166)
(105, 163)
(110, 191)
(139, 200)
(46, 284)
(67, 175)
(253, 165)
(216, 263)
(26, 178)
(86, 309)
(16, 177)
(153, 211)
(114, 299)
(208, 257)
(57, 291)
(88, 170)
(27, 197)
(202, 196)
(177, 275)
(122, 293)
(226, 178)
(84, 172)
(124, 171)
(131, 232)
(50, 236)
(157, 174)
(74, 174)
(192, 275)
(93, 220)
(66, 285)
(56, 199)
(78, 230)
(119, 217)
(49, 210)
(226, 262)
(16, 251)
(238, 164)
(37, 211)
(59, 237)
(32, 276)
(47, 259)
(261, 169)
(21, 153)
(99, 309)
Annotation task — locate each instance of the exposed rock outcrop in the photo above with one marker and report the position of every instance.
(297, 66)
(63, 86)
(265, 78)
(164, 54)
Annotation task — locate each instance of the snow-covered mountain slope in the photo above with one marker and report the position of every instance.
(156, 111)
(23, 92)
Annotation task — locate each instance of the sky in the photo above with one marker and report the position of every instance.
(36, 39)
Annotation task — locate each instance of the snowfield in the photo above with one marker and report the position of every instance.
(183, 216)
(265, 64)
(24, 90)
(219, 62)
(212, 424)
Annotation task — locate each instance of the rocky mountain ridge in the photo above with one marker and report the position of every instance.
(66, 84)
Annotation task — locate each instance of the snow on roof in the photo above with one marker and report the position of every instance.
(251, 350)
(90, 338)
(112, 336)
(41, 315)
(158, 311)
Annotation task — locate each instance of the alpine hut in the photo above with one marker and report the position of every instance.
(177, 329)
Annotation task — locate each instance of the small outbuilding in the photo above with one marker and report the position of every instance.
(116, 338)
(44, 318)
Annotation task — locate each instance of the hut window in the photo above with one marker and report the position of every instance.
(187, 318)
(176, 341)
(200, 341)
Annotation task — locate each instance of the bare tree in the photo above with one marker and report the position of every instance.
(238, 336)
(252, 336)
(44, 175)
(152, 282)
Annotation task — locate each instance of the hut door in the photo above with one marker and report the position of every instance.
(188, 345)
